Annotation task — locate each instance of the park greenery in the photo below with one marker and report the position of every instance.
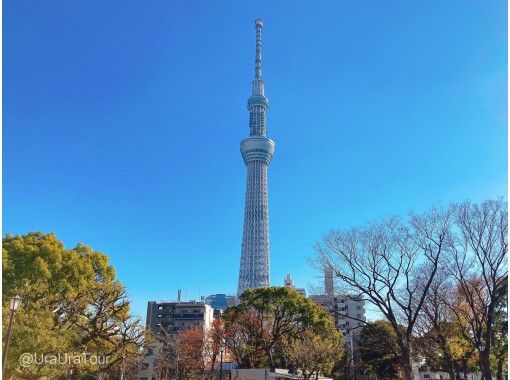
(438, 280)
(380, 354)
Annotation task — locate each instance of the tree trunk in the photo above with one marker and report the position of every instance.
(485, 365)
(451, 370)
(499, 375)
(451, 367)
(269, 354)
(213, 362)
(407, 364)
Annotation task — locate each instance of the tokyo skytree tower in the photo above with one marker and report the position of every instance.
(257, 151)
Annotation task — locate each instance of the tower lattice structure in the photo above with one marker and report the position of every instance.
(257, 151)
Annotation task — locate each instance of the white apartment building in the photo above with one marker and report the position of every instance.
(347, 310)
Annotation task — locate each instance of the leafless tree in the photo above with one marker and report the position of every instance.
(392, 265)
(478, 263)
(165, 355)
(125, 351)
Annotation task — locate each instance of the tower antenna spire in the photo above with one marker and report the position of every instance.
(258, 48)
(258, 83)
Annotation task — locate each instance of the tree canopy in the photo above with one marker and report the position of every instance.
(268, 325)
(72, 304)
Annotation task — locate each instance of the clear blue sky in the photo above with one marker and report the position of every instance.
(122, 123)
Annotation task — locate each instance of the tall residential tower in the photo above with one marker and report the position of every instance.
(257, 151)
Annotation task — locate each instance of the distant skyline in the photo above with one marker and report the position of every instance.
(121, 126)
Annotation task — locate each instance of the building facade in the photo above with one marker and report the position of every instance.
(173, 316)
(257, 151)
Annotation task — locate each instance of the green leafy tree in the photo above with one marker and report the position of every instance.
(267, 320)
(72, 304)
(380, 353)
